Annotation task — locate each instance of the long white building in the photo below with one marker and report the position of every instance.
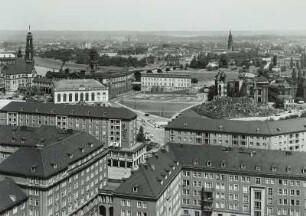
(165, 82)
(80, 90)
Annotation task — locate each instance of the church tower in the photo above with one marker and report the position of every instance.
(230, 47)
(29, 50)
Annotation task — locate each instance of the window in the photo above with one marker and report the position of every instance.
(92, 96)
(258, 180)
(58, 98)
(70, 97)
(76, 97)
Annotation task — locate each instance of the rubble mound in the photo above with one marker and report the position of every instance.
(230, 107)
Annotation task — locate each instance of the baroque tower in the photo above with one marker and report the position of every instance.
(230, 47)
(93, 62)
(29, 51)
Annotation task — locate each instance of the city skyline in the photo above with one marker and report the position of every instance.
(157, 15)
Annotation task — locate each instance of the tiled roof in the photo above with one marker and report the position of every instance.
(268, 128)
(149, 180)
(10, 195)
(165, 75)
(31, 137)
(76, 84)
(245, 161)
(18, 67)
(254, 162)
(70, 110)
(42, 80)
(51, 159)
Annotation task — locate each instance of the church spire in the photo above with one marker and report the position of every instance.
(29, 50)
(230, 43)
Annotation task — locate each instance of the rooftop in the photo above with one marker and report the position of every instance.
(50, 159)
(42, 80)
(165, 75)
(18, 67)
(150, 180)
(70, 110)
(32, 137)
(78, 84)
(267, 128)
(11, 195)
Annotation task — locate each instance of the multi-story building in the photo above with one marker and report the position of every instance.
(193, 180)
(13, 199)
(43, 84)
(115, 126)
(61, 175)
(21, 72)
(287, 135)
(165, 82)
(80, 91)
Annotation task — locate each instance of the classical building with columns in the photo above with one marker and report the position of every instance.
(80, 91)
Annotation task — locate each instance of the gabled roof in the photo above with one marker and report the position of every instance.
(11, 195)
(18, 67)
(150, 179)
(70, 110)
(51, 159)
(268, 128)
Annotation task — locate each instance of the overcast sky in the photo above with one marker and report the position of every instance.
(153, 15)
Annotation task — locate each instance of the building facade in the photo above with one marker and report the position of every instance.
(60, 176)
(80, 91)
(165, 82)
(116, 127)
(215, 181)
(286, 135)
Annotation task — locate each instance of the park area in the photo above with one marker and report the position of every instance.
(164, 105)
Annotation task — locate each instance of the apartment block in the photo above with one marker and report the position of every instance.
(288, 135)
(61, 175)
(196, 180)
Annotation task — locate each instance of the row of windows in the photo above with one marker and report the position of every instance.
(76, 97)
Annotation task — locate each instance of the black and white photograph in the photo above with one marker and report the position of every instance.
(153, 108)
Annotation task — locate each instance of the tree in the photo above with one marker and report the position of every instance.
(291, 63)
(159, 70)
(137, 76)
(149, 71)
(167, 69)
(194, 80)
(141, 136)
(211, 93)
(223, 62)
(294, 75)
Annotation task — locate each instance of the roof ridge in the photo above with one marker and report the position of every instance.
(42, 161)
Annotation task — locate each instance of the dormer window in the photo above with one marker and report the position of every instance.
(135, 189)
(70, 155)
(273, 168)
(223, 164)
(208, 163)
(54, 166)
(304, 170)
(257, 167)
(195, 162)
(90, 144)
(33, 168)
(81, 150)
(288, 169)
(243, 166)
